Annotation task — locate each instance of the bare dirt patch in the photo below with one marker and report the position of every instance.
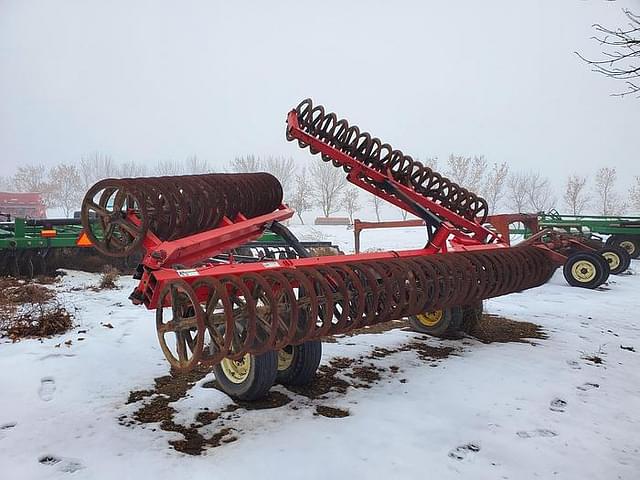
(29, 310)
(375, 329)
(331, 412)
(493, 328)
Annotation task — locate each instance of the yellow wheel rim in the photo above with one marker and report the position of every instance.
(612, 259)
(583, 271)
(628, 246)
(285, 358)
(430, 319)
(236, 371)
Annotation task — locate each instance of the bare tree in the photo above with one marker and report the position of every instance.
(468, 172)
(327, 184)
(621, 59)
(168, 167)
(376, 201)
(30, 178)
(246, 163)
(539, 192)
(611, 203)
(431, 162)
(517, 191)
(6, 184)
(300, 197)
(131, 169)
(350, 200)
(195, 165)
(66, 187)
(494, 185)
(33, 178)
(634, 194)
(576, 196)
(283, 168)
(96, 166)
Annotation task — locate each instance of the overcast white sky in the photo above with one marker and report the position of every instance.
(158, 80)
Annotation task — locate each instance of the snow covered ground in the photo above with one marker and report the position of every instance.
(502, 410)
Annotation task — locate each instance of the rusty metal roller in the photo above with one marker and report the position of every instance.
(172, 207)
(235, 314)
(327, 127)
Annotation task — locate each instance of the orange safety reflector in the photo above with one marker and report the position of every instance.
(83, 240)
(46, 233)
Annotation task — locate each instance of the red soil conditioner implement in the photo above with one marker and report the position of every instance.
(262, 322)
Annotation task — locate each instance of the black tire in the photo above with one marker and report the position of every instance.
(586, 270)
(471, 314)
(606, 271)
(297, 364)
(630, 243)
(617, 258)
(260, 377)
(446, 323)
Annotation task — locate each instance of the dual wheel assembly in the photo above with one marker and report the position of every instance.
(251, 376)
(592, 269)
(450, 323)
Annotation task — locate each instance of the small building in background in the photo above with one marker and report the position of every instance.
(22, 204)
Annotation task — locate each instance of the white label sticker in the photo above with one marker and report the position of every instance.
(188, 273)
(270, 264)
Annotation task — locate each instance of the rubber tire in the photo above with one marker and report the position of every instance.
(623, 257)
(450, 326)
(618, 239)
(262, 375)
(305, 362)
(606, 271)
(600, 264)
(471, 314)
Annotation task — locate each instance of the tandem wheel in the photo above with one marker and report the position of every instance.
(445, 323)
(617, 258)
(249, 378)
(630, 243)
(252, 376)
(297, 364)
(586, 270)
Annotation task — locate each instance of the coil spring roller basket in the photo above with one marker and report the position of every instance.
(262, 322)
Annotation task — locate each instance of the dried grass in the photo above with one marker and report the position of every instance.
(109, 277)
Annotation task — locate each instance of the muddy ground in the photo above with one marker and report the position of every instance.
(335, 379)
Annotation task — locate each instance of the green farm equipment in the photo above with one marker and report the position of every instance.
(589, 258)
(30, 247)
(622, 231)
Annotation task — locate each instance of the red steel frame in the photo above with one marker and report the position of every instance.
(454, 233)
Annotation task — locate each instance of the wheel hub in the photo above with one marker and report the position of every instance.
(583, 271)
(430, 319)
(612, 259)
(285, 358)
(628, 246)
(236, 371)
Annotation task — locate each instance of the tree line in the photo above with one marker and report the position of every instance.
(317, 184)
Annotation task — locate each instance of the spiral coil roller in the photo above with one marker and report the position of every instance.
(349, 139)
(172, 207)
(231, 315)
